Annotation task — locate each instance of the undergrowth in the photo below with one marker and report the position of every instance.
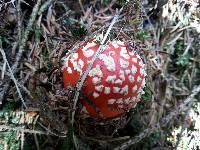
(168, 44)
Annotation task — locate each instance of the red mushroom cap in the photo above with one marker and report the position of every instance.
(114, 84)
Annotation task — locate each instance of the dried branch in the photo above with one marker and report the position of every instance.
(51, 132)
(19, 23)
(23, 39)
(26, 34)
(45, 6)
(89, 67)
(22, 129)
(84, 75)
(185, 106)
(12, 77)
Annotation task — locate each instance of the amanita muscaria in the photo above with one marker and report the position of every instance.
(114, 84)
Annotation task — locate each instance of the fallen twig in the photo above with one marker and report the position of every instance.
(12, 77)
(164, 122)
(23, 40)
(45, 6)
(26, 34)
(84, 75)
(22, 129)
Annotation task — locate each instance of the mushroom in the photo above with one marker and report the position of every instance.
(115, 83)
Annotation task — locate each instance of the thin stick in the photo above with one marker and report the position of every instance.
(151, 25)
(12, 77)
(22, 139)
(51, 132)
(21, 129)
(19, 24)
(45, 6)
(182, 108)
(83, 77)
(26, 34)
(81, 5)
(23, 39)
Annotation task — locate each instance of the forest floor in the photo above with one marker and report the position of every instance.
(35, 108)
